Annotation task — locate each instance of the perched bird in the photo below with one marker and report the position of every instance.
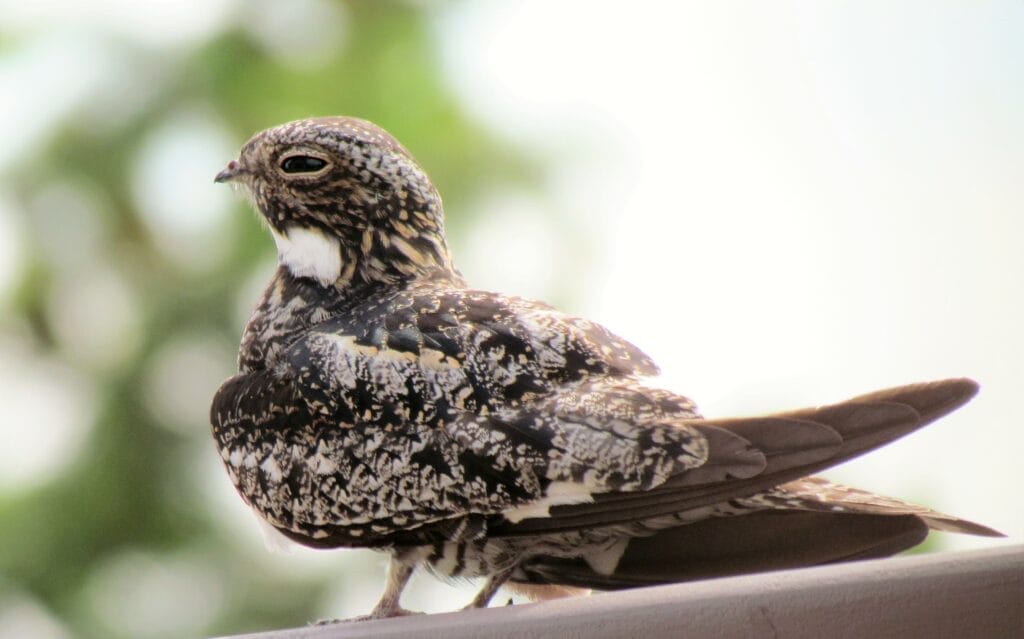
(382, 403)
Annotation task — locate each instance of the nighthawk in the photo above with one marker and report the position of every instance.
(380, 402)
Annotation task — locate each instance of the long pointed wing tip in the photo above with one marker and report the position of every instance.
(965, 386)
(930, 399)
(958, 390)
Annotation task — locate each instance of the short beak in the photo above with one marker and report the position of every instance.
(230, 172)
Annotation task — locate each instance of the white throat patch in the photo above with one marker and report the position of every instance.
(309, 253)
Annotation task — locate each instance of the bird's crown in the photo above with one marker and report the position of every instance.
(345, 201)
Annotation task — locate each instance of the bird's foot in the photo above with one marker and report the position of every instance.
(397, 611)
(378, 613)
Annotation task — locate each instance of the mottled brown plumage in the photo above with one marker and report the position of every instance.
(382, 403)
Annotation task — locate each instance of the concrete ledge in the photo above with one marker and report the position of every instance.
(973, 594)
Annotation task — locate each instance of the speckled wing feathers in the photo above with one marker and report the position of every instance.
(424, 408)
(864, 424)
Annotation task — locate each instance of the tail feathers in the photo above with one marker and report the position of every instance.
(949, 523)
(821, 495)
(719, 547)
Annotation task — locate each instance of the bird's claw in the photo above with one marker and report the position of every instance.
(386, 613)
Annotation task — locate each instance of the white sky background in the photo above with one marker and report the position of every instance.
(791, 203)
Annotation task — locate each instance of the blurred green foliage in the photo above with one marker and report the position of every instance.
(133, 486)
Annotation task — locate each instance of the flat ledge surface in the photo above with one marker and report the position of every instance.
(973, 594)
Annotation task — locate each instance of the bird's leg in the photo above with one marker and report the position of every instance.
(495, 581)
(398, 576)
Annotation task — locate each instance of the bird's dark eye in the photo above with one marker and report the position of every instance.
(302, 164)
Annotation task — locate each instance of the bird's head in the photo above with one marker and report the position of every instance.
(346, 203)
